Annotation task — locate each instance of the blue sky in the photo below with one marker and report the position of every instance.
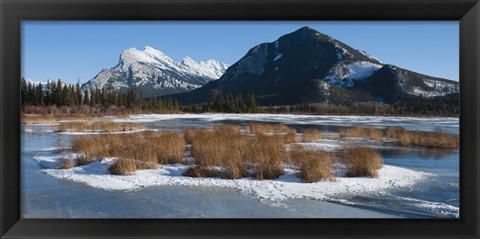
(79, 50)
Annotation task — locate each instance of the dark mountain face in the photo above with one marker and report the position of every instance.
(306, 66)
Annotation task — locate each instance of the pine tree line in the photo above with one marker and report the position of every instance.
(60, 94)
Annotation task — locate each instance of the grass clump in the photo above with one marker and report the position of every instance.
(222, 147)
(361, 132)
(435, 139)
(202, 172)
(190, 133)
(267, 154)
(147, 149)
(314, 165)
(67, 164)
(37, 118)
(260, 128)
(102, 125)
(123, 167)
(168, 147)
(311, 135)
(361, 161)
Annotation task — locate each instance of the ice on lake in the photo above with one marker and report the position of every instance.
(419, 183)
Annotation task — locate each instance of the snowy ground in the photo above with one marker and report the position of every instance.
(270, 191)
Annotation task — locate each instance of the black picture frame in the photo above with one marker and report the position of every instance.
(467, 12)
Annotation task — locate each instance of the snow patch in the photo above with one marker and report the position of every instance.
(287, 186)
(343, 73)
(277, 57)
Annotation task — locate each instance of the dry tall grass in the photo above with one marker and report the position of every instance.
(310, 135)
(202, 172)
(228, 148)
(67, 164)
(361, 161)
(169, 147)
(223, 147)
(267, 154)
(314, 165)
(123, 167)
(264, 128)
(259, 128)
(147, 150)
(37, 118)
(190, 133)
(436, 139)
(103, 125)
(361, 132)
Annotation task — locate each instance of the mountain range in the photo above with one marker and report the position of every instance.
(304, 66)
(152, 73)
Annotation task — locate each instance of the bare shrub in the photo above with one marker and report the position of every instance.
(361, 161)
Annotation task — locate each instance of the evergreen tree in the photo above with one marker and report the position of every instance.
(78, 93)
(251, 103)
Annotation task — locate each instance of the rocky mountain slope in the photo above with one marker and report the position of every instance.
(307, 66)
(153, 73)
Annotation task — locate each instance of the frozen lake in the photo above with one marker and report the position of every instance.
(427, 183)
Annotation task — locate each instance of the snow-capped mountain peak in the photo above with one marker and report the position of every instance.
(153, 73)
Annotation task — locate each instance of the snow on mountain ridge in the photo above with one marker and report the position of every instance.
(344, 73)
(154, 73)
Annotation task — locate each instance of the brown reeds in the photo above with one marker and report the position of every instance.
(148, 149)
(169, 147)
(123, 167)
(311, 135)
(67, 164)
(436, 139)
(361, 132)
(267, 154)
(223, 147)
(314, 165)
(102, 126)
(37, 118)
(260, 128)
(202, 172)
(361, 161)
(190, 133)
